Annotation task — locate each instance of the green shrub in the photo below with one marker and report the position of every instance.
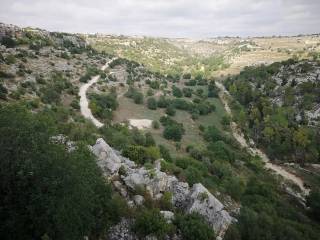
(151, 222)
(138, 98)
(194, 227)
(45, 186)
(3, 92)
(170, 110)
(176, 91)
(152, 103)
(8, 42)
(155, 124)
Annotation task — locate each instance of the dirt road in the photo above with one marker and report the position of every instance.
(84, 103)
(239, 136)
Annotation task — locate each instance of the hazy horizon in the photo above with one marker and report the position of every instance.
(168, 18)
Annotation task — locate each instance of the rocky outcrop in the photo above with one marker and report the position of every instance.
(195, 199)
(204, 203)
(107, 160)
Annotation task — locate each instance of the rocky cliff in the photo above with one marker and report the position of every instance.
(190, 199)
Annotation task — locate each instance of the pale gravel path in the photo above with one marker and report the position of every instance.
(84, 103)
(239, 136)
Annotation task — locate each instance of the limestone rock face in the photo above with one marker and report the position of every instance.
(168, 215)
(107, 160)
(189, 199)
(204, 203)
(122, 231)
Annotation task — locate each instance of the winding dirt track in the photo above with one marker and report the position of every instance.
(84, 103)
(239, 136)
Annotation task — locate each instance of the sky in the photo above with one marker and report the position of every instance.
(167, 18)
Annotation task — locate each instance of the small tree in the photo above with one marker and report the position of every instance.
(152, 103)
(170, 110)
(138, 98)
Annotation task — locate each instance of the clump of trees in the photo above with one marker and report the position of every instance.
(102, 105)
(41, 182)
(282, 130)
(134, 94)
(172, 129)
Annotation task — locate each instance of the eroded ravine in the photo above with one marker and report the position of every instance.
(239, 136)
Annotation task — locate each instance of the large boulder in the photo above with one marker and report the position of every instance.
(107, 160)
(203, 202)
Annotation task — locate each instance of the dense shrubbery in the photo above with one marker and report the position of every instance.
(151, 222)
(45, 189)
(135, 95)
(8, 42)
(193, 227)
(176, 92)
(173, 130)
(274, 127)
(152, 103)
(102, 105)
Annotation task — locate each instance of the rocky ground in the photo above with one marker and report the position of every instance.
(126, 176)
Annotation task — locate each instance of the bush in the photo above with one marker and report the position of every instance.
(138, 98)
(165, 202)
(155, 124)
(165, 153)
(170, 110)
(173, 132)
(149, 140)
(152, 103)
(176, 92)
(187, 92)
(3, 92)
(46, 187)
(163, 102)
(194, 227)
(151, 222)
(313, 201)
(135, 153)
(8, 42)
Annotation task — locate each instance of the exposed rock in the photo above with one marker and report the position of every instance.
(122, 231)
(121, 189)
(204, 203)
(168, 215)
(197, 199)
(138, 200)
(107, 159)
(62, 139)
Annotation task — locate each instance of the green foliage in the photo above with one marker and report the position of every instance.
(165, 153)
(135, 95)
(155, 124)
(313, 201)
(151, 222)
(3, 92)
(193, 227)
(8, 42)
(276, 128)
(173, 130)
(187, 92)
(41, 182)
(149, 140)
(102, 105)
(170, 110)
(140, 154)
(176, 91)
(152, 103)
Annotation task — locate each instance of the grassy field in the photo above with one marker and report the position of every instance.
(129, 110)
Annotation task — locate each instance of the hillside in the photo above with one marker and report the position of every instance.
(208, 57)
(106, 137)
